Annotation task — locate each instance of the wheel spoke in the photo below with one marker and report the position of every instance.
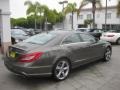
(108, 54)
(63, 64)
(66, 68)
(63, 74)
(59, 74)
(58, 68)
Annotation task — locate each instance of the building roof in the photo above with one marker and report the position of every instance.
(90, 9)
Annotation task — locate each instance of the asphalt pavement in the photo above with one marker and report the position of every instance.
(95, 76)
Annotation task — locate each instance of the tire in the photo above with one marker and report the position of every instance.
(107, 55)
(13, 40)
(61, 70)
(118, 41)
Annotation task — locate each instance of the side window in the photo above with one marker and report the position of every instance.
(74, 38)
(87, 38)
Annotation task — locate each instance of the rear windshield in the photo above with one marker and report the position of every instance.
(41, 38)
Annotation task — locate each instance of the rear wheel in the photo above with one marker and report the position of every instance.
(107, 55)
(118, 41)
(61, 70)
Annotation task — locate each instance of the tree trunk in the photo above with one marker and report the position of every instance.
(72, 19)
(40, 21)
(46, 28)
(35, 24)
(93, 11)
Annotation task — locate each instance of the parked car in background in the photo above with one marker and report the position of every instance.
(30, 32)
(83, 29)
(94, 32)
(18, 35)
(112, 36)
(55, 53)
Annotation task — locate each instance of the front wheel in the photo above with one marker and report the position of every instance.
(61, 70)
(107, 55)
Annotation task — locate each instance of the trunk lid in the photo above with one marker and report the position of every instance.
(21, 48)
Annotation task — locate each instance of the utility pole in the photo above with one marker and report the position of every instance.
(62, 3)
(106, 16)
(106, 9)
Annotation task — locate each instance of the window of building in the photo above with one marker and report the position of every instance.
(98, 15)
(108, 15)
(80, 16)
(89, 16)
(81, 26)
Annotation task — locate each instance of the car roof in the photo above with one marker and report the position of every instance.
(65, 32)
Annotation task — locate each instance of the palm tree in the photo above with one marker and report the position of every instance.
(94, 3)
(88, 22)
(33, 10)
(45, 11)
(70, 8)
(118, 8)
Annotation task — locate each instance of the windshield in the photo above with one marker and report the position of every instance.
(18, 32)
(40, 38)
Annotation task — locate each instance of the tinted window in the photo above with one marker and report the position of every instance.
(41, 38)
(74, 38)
(87, 38)
(18, 32)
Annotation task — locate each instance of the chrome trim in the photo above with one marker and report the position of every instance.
(86, 59)
(80, 60)
(41, 74)
(40, 67)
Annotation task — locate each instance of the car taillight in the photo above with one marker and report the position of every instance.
(30, 57)
(109, 35)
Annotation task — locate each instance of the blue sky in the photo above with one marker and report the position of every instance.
(18, 9)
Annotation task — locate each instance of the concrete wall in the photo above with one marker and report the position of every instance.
(5, 24)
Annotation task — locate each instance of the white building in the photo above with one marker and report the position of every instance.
(5, 24)
(113, 21)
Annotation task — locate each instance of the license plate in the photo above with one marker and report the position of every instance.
(13, 54)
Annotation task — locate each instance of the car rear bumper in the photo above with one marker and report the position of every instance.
(28, 71)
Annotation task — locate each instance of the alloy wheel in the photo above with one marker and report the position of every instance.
(62, 70)
(108, 54)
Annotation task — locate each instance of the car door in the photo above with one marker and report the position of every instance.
(77, 48)
(94, 48)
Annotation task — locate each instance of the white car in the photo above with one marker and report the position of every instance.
(112, 36)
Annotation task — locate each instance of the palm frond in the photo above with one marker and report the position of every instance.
(99, 4)
(118, 8)
(71, 7)
(83, 3)
(29, 3)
